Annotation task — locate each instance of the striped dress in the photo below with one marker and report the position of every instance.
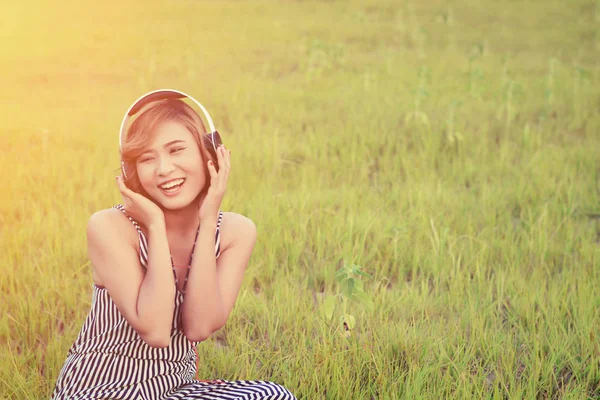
(109, 360)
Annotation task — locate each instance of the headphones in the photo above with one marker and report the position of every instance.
(211, 140)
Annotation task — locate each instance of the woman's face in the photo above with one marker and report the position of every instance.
(171, 170)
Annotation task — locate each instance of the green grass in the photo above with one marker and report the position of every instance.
(451, 150)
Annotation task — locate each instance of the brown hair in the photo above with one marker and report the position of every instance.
(141, 132)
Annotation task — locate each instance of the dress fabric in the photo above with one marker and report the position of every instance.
(109, 360)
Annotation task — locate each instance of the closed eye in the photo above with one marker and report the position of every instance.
(177, 149)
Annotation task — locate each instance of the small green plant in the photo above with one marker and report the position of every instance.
(351, 288)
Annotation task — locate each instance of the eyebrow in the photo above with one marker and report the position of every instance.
(165, 145)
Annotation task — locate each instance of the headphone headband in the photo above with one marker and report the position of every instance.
(155, 95)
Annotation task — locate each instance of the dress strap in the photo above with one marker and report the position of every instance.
(217, 251)
(142, 237)
(218, 235)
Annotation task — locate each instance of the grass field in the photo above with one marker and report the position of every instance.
(451, 149)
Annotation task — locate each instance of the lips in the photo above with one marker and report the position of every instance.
(172, 187)
(171, 183)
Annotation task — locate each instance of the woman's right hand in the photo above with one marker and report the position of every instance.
(140, 208)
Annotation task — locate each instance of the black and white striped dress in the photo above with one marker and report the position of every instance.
(109, 360)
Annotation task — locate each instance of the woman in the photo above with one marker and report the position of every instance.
(167, 267)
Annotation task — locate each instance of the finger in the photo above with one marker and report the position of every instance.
(126, 193)
(225, 159)
(224, 167)
(120, 184)
(213, 172)
(227, 154)
(122, 188)
(225, 173)
(220, 156)
(221, 181)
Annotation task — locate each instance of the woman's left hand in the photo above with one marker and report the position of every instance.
(209, 206)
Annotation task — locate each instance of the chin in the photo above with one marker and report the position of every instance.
(178, 202)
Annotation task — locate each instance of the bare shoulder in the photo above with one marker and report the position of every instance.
(109, 225)
(114, 221)
(236, 228)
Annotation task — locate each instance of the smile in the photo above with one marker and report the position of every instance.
(172, 187)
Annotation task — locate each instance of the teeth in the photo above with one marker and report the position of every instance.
(172, 184)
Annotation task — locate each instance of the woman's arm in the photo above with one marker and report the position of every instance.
(145, 300)
(213, 285)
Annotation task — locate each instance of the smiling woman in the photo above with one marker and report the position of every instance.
(139, 339)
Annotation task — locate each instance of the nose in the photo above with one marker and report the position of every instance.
(165, 166)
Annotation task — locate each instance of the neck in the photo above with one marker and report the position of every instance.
(182, 221)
